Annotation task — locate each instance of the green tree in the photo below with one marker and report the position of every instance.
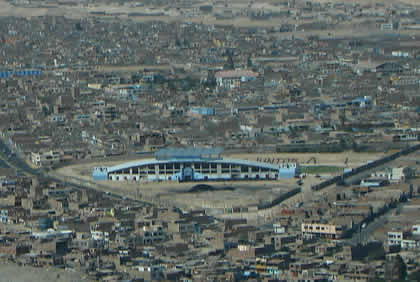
(415, 276)
(249, 62)
(401, 268)
(229, 65)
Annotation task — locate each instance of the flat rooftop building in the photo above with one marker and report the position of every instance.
(194, 164)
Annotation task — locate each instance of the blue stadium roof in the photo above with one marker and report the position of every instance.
(187, 153)
(154, 161)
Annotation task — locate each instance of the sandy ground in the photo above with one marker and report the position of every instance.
(79, 11)
(338, 159)
(246, 192)
(132, 68)
(13, 273)
(334, 159)
(365, 2)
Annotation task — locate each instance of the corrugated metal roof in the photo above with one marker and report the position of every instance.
(183, 153)
(194, 160)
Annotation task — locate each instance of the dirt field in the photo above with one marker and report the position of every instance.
(365, 2)
(173, 15)
(79, 11)
(338, 159)
(14, 273)
(245, 193)
(332, 159)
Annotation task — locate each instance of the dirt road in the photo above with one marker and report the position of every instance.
(13, 273)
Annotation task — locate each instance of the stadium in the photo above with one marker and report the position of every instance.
(195, 164)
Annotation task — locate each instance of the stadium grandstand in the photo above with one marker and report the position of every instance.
(194, 164)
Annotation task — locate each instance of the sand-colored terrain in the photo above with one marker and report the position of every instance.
(13, 273)
(245, 193)
(334, 159)
(371, 2)
(171, 13)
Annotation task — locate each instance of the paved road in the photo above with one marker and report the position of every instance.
(357, 177)
(367, 233)
(11, 160)
(22, 167)
(3, 164)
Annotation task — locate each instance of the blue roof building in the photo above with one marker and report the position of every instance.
(194, 164)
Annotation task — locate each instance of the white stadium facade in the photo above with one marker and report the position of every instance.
(195, 164)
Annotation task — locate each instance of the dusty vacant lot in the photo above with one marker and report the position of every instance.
(332, 159)
(338, 159)
(244, 193)
(13, 273)
(172, 14)
(225, 194)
